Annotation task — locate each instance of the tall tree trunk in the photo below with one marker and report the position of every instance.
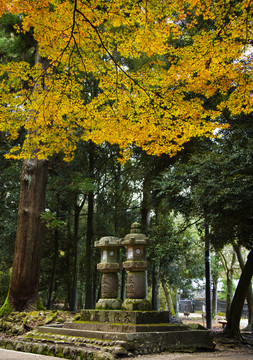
(146, 204)
(145, 221)
(215, 278)
(233, 322)
(117, 192)
(249, 295)
(68, 279)
(73, 305)
(168, 297)
(208, 278)
(230, 275)
(155, 287)
(24, 283)
(89, 301)
(214, 297)
(52, 280)
(229, 270)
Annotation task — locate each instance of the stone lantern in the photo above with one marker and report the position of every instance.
(136, 266)
(109, 267)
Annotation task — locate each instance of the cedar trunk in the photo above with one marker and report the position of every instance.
(24, 283)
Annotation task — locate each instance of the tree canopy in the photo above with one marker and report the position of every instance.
(187, 53)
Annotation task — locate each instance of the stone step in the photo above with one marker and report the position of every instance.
(125, 328)
(82, 333)
(167, 340)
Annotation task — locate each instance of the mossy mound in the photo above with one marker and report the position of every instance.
(19, 323)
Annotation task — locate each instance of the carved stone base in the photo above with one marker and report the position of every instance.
(109, 304)
(136, 304)
(125, 317)
(139, 332)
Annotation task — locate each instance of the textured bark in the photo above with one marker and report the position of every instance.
(234, 316)
(229, 270)
(208, 278)
(146, 204)
(214, 298)
(73, 305)
(215, 277)
(145, 220)
(24, 282)
(53, 274)
(89, 301)
(168, 297)
(155, 287)
(249, 295)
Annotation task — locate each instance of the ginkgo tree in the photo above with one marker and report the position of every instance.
(190, 52)
(192, 47)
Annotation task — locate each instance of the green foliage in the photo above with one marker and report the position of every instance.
(223, 292)
(162, 299)
(4, 285)
(40, 305)
(51, 221)
(9, 197)
(215, 183)
(81, 185)
(177, 250)
(6, 309)
(14, 45)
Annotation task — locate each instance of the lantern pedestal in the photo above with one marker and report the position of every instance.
(109, 267)
(136, 266)
(109, 304)
(136, 305)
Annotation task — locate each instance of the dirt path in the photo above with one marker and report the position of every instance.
(200, 356)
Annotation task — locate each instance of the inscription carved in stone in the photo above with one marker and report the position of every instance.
(127, 319)
(86, 316)
(106, 319)
(96, 316)
(109, 286)
(136, 285)
(117, 317)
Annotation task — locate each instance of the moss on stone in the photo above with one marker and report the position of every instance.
(77, 317)
(136, 305)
